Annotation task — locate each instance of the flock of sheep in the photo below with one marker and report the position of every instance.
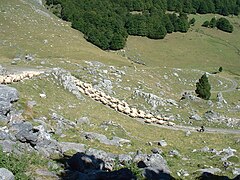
(87, 89)
(9, 79)
(120, 106)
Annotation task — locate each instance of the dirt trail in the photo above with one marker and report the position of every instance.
(194, 129)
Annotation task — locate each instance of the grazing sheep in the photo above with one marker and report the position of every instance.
(154, 120)
(147, 121)
(1, 79)
(171, 123)
(8, 80)
(149, 116)
(161, 122)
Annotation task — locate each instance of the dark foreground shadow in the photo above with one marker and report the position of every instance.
(81, 166)
(209, 176)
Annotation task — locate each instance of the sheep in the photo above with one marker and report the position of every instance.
(159, 117)
(16, 78)
(148, 116)
(127, 110)
(147, 121)
(1, 79)
(161, 122)
(154, 120)
(171, 123)
(8, 80)
(141, 114)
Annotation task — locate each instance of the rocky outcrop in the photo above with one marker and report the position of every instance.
(154, 100)
(5, 174)
(67, 81)
(8, 95)
(115, 141)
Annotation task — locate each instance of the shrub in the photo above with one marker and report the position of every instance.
(203, 88)
(224, 25)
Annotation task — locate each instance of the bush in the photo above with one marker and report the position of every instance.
(203, 88)
(206, 24)
(220, 69)
(224, 25)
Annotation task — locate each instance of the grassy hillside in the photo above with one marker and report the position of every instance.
(29, 28)
(200, 48)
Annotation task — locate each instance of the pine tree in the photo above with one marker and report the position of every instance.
(203, 88)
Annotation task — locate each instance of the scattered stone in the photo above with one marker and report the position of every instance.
(195, 117)
(189, 96)
(43, 95)
(162, 143)
(29, 57)
(174, 153)
(156, 151)
(116, 141)
(183, 173)
(236, 171)
(83, 120)
(46, 173)
(220, 98)
(211, 170)
(66, 146)
(5, 174)
(31, 104)
(67, 81)
(188, 133)
(154, 100)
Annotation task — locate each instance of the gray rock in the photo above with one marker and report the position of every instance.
(45, 173)
(83, 120)
(195, 117)
(65, 146)
(213, 116)
(3, 71)
(5, 108)
(124, 158)
(115, 141)
(31, 104)
(211, 170)
(220, 98)
(48, 147)
(188, 133)
(155, 161)
(5, 174)
(162, 143)
(236, 171)
(8, 94)
(154, 100)
(156, 151)
(107, 158)
(4, 135)
(67, 81)
(174, 153)
(189, 96)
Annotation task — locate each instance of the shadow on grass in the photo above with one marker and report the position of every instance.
(81, 166)
(209, 176)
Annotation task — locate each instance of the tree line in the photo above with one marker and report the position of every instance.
(107, 23)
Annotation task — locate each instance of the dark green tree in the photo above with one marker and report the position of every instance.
(213, 22)
(203, 88)
(220, 69)
(206, 24)
(192, 21)
(224, 25)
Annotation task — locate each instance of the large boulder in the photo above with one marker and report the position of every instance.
(5, 174)
(8, 94)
